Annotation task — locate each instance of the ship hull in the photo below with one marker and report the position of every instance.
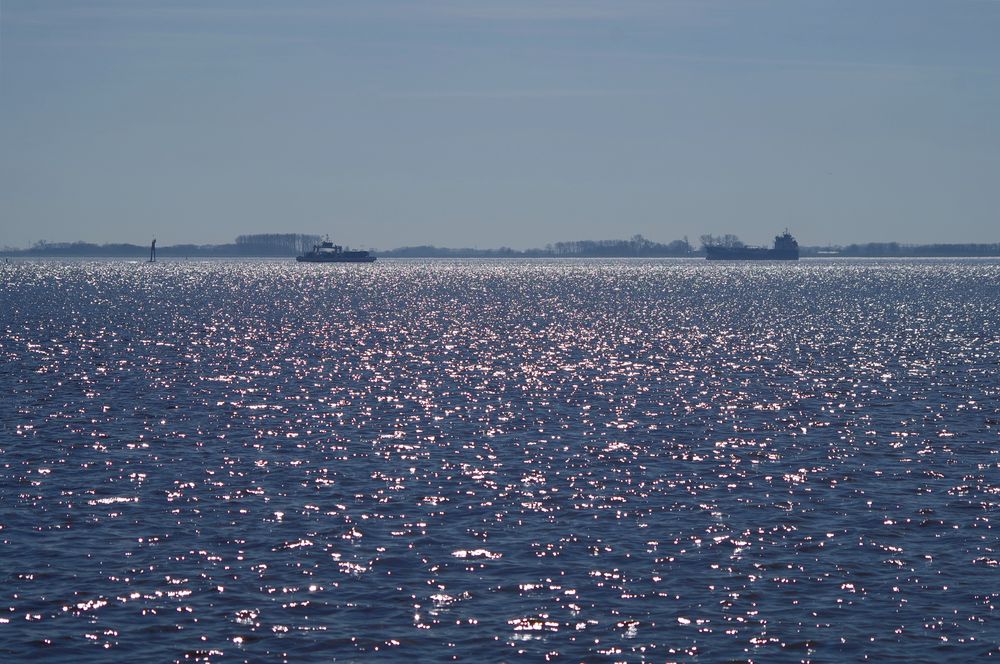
(749, 254)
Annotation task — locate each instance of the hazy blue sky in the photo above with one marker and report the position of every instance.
(488, 123)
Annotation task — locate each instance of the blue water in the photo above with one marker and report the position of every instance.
(500, 461)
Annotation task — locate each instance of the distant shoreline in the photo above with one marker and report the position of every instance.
(290, 245)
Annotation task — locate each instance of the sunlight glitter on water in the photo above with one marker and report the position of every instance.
(629, 459)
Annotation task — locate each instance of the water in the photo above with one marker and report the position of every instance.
(486, 461)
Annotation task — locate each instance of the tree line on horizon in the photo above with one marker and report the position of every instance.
(264, 245)
(898, 250)
(279, 245)
(636, 247)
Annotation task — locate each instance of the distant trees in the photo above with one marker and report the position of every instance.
(275, 244)
(43, 248)
(728, 241)
(291, 244)
(270, 244)
(430, 251)
(638, 247)
(897, 250)
(940, 250)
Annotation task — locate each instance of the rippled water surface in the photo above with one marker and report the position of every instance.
(486, 461)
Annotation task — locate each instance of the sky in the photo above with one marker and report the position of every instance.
(488, 123)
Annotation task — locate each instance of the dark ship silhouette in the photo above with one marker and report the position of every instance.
(328, 252)
(785, 249)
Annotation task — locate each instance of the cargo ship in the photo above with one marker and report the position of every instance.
(327, 252)
(785, 249)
